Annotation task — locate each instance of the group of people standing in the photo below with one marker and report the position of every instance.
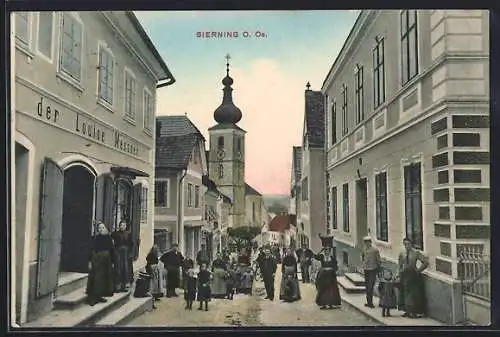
(110, 263)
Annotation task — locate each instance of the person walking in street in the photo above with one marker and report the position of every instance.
(410, 276)
(219, 269)
(289, 287)
(326, 282)
(231, 280)
(371, 266)
(269, 266)
(153, 269)
(123, 247)
(204, 295)
(100, 279)
(203, 256)
(305, 256)
(172, 260)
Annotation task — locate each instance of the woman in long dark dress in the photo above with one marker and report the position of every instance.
(411, 280)
(153, 269)
(123, 247)
(290, 288)
(326, 282)
(100, 280)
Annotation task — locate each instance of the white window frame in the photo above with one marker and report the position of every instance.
(104, 47)
(148, 127)
(127, 115)
(24, 46)
(144, 204)
(167, 199)
(63, 74)
(48, 58)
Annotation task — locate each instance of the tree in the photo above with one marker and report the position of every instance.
(242, 236)
(277, 208)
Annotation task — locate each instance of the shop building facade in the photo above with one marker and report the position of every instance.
(179, 191)
(85, 91)
(408, 143)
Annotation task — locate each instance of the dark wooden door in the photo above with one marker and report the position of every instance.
(78, 207)
(50, 227)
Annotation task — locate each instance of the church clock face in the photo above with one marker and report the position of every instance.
(221, 154)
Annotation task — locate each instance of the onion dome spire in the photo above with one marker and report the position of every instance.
(227, 112)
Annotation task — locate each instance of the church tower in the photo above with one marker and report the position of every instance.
(227, 152)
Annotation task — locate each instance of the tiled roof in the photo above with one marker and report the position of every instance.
(210, 184)
(280, 223)
(297, 162)
(174, 152)
(249, 190)
(315, 118)
(176, 126)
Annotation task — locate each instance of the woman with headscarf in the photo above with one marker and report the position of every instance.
(123, 247)
(153, 269)
(326, 282)
(219, 268)
(100, 279)
(289, 288)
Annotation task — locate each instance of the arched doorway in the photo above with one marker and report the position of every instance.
(77, 219)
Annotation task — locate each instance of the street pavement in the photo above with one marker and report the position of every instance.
(252, 310)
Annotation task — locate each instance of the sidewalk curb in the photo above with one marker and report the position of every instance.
(366, 314)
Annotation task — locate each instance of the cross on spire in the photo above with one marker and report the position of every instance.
(228, 57)
(308, 86)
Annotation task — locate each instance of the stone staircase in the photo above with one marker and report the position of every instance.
(352, 283)
(71, 309)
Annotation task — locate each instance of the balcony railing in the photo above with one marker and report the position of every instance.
(474, 273)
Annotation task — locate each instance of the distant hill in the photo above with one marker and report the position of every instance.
(276, 203)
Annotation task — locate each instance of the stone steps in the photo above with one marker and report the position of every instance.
(82, 314)
(356, 279)
(71, 300)
(127, 312)
(69, 282)
(349, 287)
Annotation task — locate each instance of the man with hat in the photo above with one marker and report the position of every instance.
(172, 260)
(371, 265)
(305, 256)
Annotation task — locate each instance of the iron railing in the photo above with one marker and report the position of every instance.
(474, 273)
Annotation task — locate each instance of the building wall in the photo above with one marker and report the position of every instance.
(260, 210)
(52, 112)
(417, 123)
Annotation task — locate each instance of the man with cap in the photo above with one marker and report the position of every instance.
(371, 266)
(172, 261)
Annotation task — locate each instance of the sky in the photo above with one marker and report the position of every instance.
(270, 73)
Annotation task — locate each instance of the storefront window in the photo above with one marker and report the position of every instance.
(123, 202)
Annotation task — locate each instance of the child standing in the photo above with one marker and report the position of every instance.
(386, 289)
(190, 289)
(231, 280)
(204, 292)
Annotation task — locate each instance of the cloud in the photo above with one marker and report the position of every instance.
(272, 103)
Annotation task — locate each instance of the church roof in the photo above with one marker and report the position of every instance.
(315, 118)
(297, 162)
(177, 125)
(249, 190)
(174, 152)
(225, 126)
(227, 112)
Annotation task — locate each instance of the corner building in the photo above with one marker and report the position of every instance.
(407, 103)
(84, 111)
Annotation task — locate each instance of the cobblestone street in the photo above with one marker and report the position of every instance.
(252, 310)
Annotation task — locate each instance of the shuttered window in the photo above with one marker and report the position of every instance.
(71, 47)
(130, 92)
(413, 204)
(381, 206)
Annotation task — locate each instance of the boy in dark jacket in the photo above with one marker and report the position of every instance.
(204, 291)
(231, 280)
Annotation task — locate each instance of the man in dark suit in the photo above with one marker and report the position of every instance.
(172, 261)
(305, 256)
(268, 267)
